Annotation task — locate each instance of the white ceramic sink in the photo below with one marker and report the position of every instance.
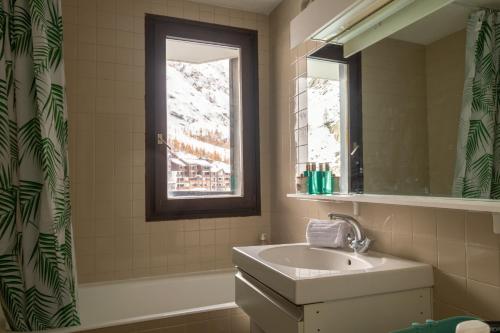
(304, 257)
(308, 275)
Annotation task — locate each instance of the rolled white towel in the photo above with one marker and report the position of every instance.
(327, 233)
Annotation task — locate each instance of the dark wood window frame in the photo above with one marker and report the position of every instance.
(158, 207)
(335, 53)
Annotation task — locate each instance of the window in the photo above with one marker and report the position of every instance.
(202, 149)
(328, 116)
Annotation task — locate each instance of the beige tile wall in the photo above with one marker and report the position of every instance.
(460, 245)
(445, 68)
(105, 73)
(409, 92)
(395, 149)
(104, 58)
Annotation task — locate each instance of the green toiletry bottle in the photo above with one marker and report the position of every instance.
(321, 178)
(308, 169)
(312, 177)
(327, 185)
(307, 174)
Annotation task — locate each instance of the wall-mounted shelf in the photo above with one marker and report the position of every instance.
(476, 205)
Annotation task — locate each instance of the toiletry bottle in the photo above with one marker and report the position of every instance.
(321, 178)
(298, 187)
(336, 184)
(301, 183)
(298, 183)
(313, 179)
(308, 169)
(307, 174)
(304, 181)
(327, 186)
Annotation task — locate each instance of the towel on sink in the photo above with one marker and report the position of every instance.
(327, 233)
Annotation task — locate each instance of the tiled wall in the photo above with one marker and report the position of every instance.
(104, 58)
(445, 68)
(460, 245)
(395, 154)
(105, 73)
(409, 92)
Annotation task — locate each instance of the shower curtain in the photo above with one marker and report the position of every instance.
(37, 282)
(477, 170)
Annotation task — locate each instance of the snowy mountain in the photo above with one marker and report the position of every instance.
(198, 108)
(323, 98)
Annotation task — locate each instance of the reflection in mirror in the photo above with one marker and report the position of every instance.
(321, 129)
(322, 109)
(326, 111)
(417, 102)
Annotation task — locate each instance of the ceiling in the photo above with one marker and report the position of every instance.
(482, 3)
(256, 6)
(443, 22)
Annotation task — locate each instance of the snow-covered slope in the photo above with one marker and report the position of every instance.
(323, 98)
(198, 107)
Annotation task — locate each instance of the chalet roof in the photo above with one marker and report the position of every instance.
(184, 159)
(218, 166)
(177, 161)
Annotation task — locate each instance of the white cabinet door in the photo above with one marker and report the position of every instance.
(268, 310)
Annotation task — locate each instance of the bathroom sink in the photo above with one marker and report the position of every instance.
(303, 274)
(304, 257)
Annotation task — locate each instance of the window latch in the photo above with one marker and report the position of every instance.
(160, 140)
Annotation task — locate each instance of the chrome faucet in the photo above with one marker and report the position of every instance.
(358, 242)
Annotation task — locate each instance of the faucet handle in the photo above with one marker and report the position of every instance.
(364, 245)
(359, 246)
(356, 238)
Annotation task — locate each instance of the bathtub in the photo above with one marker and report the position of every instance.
(126, 302)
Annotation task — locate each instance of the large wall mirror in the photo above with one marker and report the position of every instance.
(431, 106)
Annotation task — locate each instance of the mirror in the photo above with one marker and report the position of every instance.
(420, 135)
(413, 90)
(327, 104)
(412, 95)
(326, 113)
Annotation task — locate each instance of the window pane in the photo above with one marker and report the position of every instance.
(203, 120)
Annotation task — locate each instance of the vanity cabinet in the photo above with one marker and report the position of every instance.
(270, 312)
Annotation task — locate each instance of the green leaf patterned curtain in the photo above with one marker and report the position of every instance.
(477, 170)
(37, 281)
